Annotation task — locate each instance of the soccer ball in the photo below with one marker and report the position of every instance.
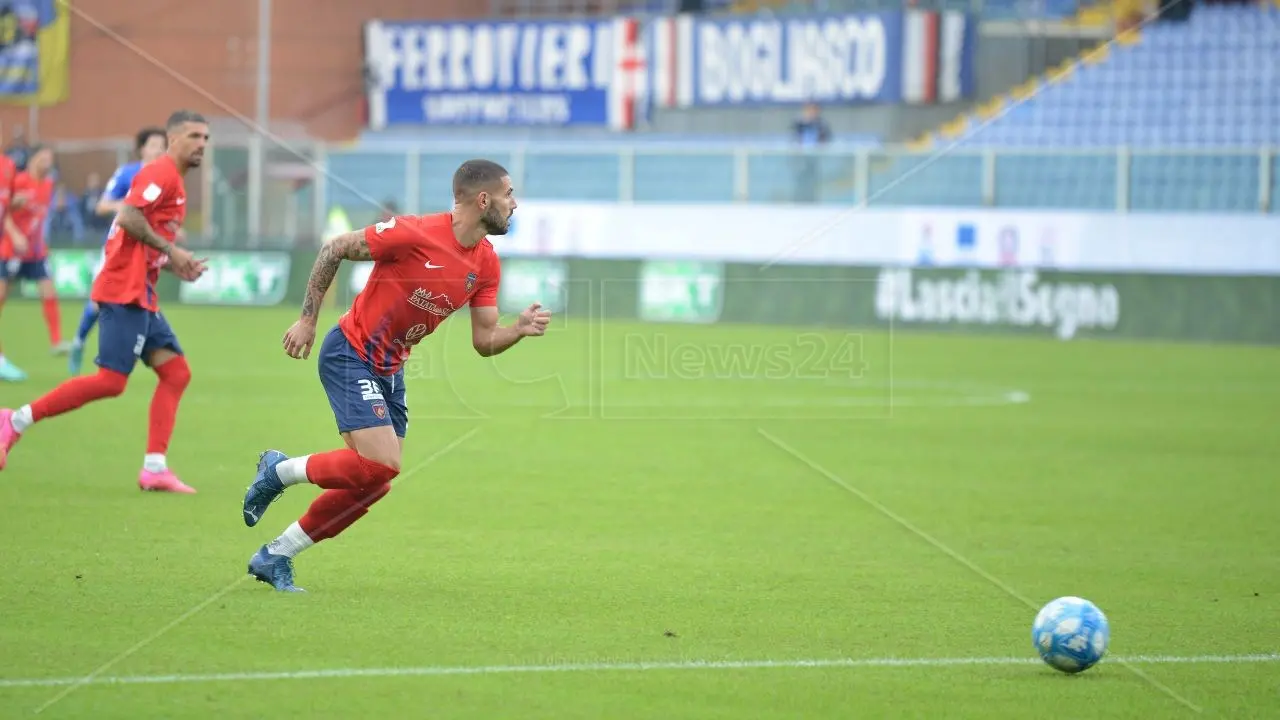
(1071, 634)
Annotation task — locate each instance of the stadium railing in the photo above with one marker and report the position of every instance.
(1121, 179)
(414, 179)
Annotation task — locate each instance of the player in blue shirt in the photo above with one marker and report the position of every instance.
(150, 144)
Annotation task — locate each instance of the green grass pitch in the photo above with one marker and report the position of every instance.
(607, 522)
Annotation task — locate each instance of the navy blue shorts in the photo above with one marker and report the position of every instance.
(128, 332)
(359, 397)
(26, 270)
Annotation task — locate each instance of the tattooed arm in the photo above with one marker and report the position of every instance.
(135, 223)
(299, 338)
(181, 262)
(347, 246)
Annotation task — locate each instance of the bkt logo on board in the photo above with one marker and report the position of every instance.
(590, 72)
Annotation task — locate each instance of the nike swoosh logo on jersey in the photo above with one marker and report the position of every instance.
(434, 267)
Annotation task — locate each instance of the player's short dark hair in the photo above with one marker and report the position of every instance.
(473, 175)
(145, 134)
(182, 117)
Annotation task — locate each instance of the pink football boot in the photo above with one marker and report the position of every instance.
(8, 436)
(163, 481)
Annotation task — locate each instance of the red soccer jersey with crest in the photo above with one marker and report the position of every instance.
(421, 275)
(131, 269)
(37, 196)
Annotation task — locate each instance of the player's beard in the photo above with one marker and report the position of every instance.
(494, 222)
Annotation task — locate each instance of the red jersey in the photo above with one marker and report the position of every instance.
(131, 269)
(421, 275)
(8, 171)
(37, 196)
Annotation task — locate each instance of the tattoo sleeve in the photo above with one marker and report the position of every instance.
(347, 246)
(133, 222)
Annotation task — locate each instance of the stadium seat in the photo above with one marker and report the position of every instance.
(1191, 100)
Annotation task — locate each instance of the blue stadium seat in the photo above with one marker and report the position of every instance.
(1217, 77)
(1212, 83)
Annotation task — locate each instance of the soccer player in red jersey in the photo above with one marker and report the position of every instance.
(23, 251)
(8, 173)
(425, 268)
(131, 326)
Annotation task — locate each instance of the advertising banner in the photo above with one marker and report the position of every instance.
(915, 56)
(359, 277)
(240, 278)
(1063, 304)
(72, 273)
(1168, 243)
(35, 58)
(609, 73)
(990, 239)
(526, 281)
(681, 291)
(543, 73)
(1015, 299)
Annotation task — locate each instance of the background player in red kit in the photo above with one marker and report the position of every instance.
(23, 249)
(131, 325)
(8, 173)
(425, 268)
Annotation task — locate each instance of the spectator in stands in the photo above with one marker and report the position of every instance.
(66, 221)
(89, 203)
(19, 149)
(811, 132)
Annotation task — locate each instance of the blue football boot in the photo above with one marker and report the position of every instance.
(266, 487)
(274, 570)
(75, 359)
(10, 372)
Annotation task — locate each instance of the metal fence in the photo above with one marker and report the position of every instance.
(303, 187)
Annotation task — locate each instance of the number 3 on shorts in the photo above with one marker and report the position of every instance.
(137, 346)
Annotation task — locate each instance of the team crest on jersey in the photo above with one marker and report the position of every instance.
(380, 410)
(471, 281)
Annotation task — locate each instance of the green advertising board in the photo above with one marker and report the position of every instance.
(1065, 305)
(681, 291)
(71, 271)
(1068, 305)
(529, 280)
(240, 278)
(1016, 299)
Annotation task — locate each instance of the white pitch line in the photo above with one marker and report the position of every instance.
(430, 671)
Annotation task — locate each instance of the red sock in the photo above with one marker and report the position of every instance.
(336, 469)
(345, 469)
(174, 376)
(336, 510)
(53, 320)
(78, 391)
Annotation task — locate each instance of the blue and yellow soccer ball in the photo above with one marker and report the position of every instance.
(1071, 634)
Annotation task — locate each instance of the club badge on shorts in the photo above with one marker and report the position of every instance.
(379, 409)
